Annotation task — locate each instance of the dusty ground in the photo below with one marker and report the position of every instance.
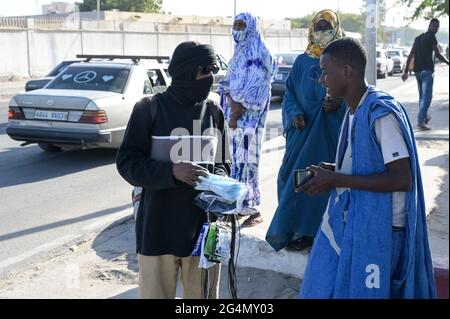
(109, 270)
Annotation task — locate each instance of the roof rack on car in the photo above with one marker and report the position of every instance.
(134, 58)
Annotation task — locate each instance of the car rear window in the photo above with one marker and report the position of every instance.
(286, 59)
(91, 78)
(59, 68)
(393, 53)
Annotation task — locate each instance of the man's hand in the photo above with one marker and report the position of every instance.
(322, 181)
(299, 122)
(328, 166)
(331, 105)
(405, 76)
(188, 172)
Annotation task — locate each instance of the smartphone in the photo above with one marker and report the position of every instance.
(301, 176)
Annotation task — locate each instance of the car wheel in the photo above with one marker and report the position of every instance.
(49, 147)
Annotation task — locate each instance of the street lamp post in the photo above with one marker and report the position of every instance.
(371, 41)
(98, 10)
(234, 12)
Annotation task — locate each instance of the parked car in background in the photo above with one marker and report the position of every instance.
(88, 104)
(223, 67)
(385, 65)
(41, 82)
(399, 58)
(285, 62)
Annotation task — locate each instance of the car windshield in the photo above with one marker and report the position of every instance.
(59, 68)
(91, 78)
(286, 59)
(393, 53)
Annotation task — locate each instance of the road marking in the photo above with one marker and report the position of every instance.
(63, 240)
(111, 218)
(45, 247)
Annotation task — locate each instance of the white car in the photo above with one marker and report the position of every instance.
(385, 65)
(86, 105)
(399, 58)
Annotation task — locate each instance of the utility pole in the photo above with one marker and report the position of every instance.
(371, 41)
(234, 12)
(98, 10)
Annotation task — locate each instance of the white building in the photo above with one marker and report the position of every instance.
(58, 7)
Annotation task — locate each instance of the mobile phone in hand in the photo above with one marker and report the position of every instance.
(301, 176)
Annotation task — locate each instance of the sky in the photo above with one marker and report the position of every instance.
(266, 9)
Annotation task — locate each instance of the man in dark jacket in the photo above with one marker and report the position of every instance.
(422, 51)
(163, 152)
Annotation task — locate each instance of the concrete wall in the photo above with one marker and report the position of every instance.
(47, 49)
(34, 52)
(13, 53)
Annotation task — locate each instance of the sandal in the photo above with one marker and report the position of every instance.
(300, 244)
(253, 220)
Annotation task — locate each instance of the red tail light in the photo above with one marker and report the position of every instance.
(15, 114)
(94, 117)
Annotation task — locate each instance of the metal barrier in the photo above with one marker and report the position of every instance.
(13, 22)
(72, 22)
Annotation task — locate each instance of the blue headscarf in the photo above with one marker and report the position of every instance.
(251, 68)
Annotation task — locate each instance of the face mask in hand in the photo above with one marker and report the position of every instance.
(322, 38)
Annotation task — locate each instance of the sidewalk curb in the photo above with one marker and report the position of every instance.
(255, 252)
(431, 137)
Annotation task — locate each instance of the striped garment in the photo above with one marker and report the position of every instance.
(248, 81)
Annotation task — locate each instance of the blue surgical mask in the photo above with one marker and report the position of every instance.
(238, 36)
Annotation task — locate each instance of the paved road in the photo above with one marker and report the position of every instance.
(47, 199)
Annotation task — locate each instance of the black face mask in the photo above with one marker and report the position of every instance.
(194, 91)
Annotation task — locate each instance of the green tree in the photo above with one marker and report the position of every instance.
(349, 21)
(301, 23)
(427, 8)
(352, 22)
(122, 5)
(382, 35)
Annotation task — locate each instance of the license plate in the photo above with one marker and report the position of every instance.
(51, 115)
(279, 77)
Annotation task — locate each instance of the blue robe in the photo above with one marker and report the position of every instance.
(352, 253)
(299, 214)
